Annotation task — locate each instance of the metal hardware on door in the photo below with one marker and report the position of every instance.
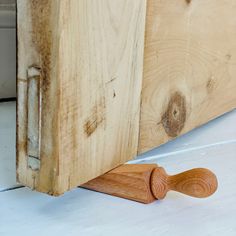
(34, 117)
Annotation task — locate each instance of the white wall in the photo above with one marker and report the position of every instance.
(7, 49)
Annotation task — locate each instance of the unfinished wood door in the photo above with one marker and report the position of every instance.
(79, 85)
(189, 67)
(81, 80)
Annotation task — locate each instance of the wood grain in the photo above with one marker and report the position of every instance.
(189, 67)
(126, 181)
(198, 182)
(147, 182)
(90, 56)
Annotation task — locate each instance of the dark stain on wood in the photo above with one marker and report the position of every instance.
(228, 56)
(111, 80)
(210, 85)
(174, 117)
(188, 1)
(44, 40)
(96, 118)
(21, 146)
(42, 36)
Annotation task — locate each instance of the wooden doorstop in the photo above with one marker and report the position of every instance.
(147, 182)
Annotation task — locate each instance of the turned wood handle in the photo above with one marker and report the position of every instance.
(197, 182)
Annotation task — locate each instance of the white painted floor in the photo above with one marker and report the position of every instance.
(82, 212)
(7, 145)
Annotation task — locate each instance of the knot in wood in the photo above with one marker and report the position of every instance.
(174, 117)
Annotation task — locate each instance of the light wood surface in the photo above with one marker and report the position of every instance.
(218, 132)
(189, 67)
(147, 182)
(88, 56)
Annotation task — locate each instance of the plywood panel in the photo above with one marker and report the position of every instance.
(88, 57)
(189, 67)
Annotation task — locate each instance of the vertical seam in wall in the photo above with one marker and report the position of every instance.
(17, 137)
(140, 106)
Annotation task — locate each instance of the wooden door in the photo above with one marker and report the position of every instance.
(189, 67)
(84, 70)
(79, 85)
